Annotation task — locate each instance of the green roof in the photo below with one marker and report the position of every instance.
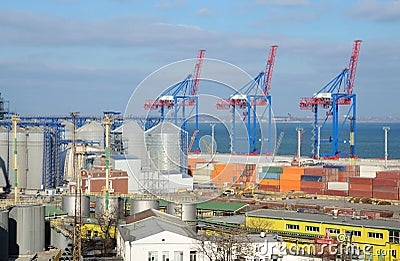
(220, 206)
(53, 210)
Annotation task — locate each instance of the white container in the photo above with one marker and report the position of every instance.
(338, 185)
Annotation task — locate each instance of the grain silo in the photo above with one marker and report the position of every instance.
(92, 131)
(165, 145)
(34, 157)
(133, 135)
(26, 226)
(139, 205)
(4, 234)
(115, 205)
(68, 204)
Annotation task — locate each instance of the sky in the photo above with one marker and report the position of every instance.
(59, 56)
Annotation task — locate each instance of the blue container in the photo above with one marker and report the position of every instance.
(311, 178)
(269, 176)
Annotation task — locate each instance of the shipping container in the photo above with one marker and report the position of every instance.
(361, 180)
(385, 195)
(308, 184)
(338, 186)
(274, 182)
(269, 175)
(269, 169)
(385, 182)
(331, 192)
(389, 174)
(272, 188)
(317, 191)
(363, 187)
(360, 193)
(319, 171)
(312, 178)
(293, 170)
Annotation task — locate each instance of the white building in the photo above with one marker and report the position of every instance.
(156, 236)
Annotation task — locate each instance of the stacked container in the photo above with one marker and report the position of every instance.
(360, 187)
(347, 172)
(227, 173)
(386, 185)
(269, 178)
(290, 179)
(335, 188)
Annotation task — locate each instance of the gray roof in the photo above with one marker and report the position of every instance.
(341, 220)
(235, 219)
(151, 226)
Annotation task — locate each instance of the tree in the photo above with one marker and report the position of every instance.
(226, 243)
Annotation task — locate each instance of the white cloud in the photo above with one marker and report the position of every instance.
(382, 11)
(203, 12)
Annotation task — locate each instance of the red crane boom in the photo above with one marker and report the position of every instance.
(196, 74)
(268, 70)
(353, 66)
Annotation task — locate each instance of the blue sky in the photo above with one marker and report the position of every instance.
(58, 56)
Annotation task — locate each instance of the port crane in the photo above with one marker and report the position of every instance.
(337, 92)
(171, 104)
(245, 101)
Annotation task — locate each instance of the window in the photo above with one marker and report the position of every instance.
(153, 255)
(292, 227)
(375, 235)
(393, 253)
(178, 256)
(356, 233)
(334, 230)
(193, 255)
(165, 256)
(394, 237)
(312, 229)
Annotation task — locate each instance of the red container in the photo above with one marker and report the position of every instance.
(317, 191)
(362, 187)
(360, 193)
(318, 171)
(387, 189)
(369, 214)
(308, 184)
(274, 188)
(331, 192)
(360, 180)
(389, 174)
(385, 195)
(385, 182)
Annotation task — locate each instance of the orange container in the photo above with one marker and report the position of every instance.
(227, 173)
(288, 185)
(293, 170)
(272, 182)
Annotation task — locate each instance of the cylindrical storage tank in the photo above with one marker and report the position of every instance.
(68, 204)
(93, 131)
(4, 235)
(133, 138)
(171, 208)
(34, 158)
(139, 205)
(189, 211)
(26, 226)
(69, 130)
(115, 207)
(164, 145)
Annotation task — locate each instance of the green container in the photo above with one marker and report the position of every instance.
(268, 169)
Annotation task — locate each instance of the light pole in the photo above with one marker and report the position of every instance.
(319, 141)
(299, 132)
(386, 129)
(212, 139)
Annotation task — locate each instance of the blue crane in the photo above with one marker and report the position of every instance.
(246, 101)
(338, 92)
(178, 103)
